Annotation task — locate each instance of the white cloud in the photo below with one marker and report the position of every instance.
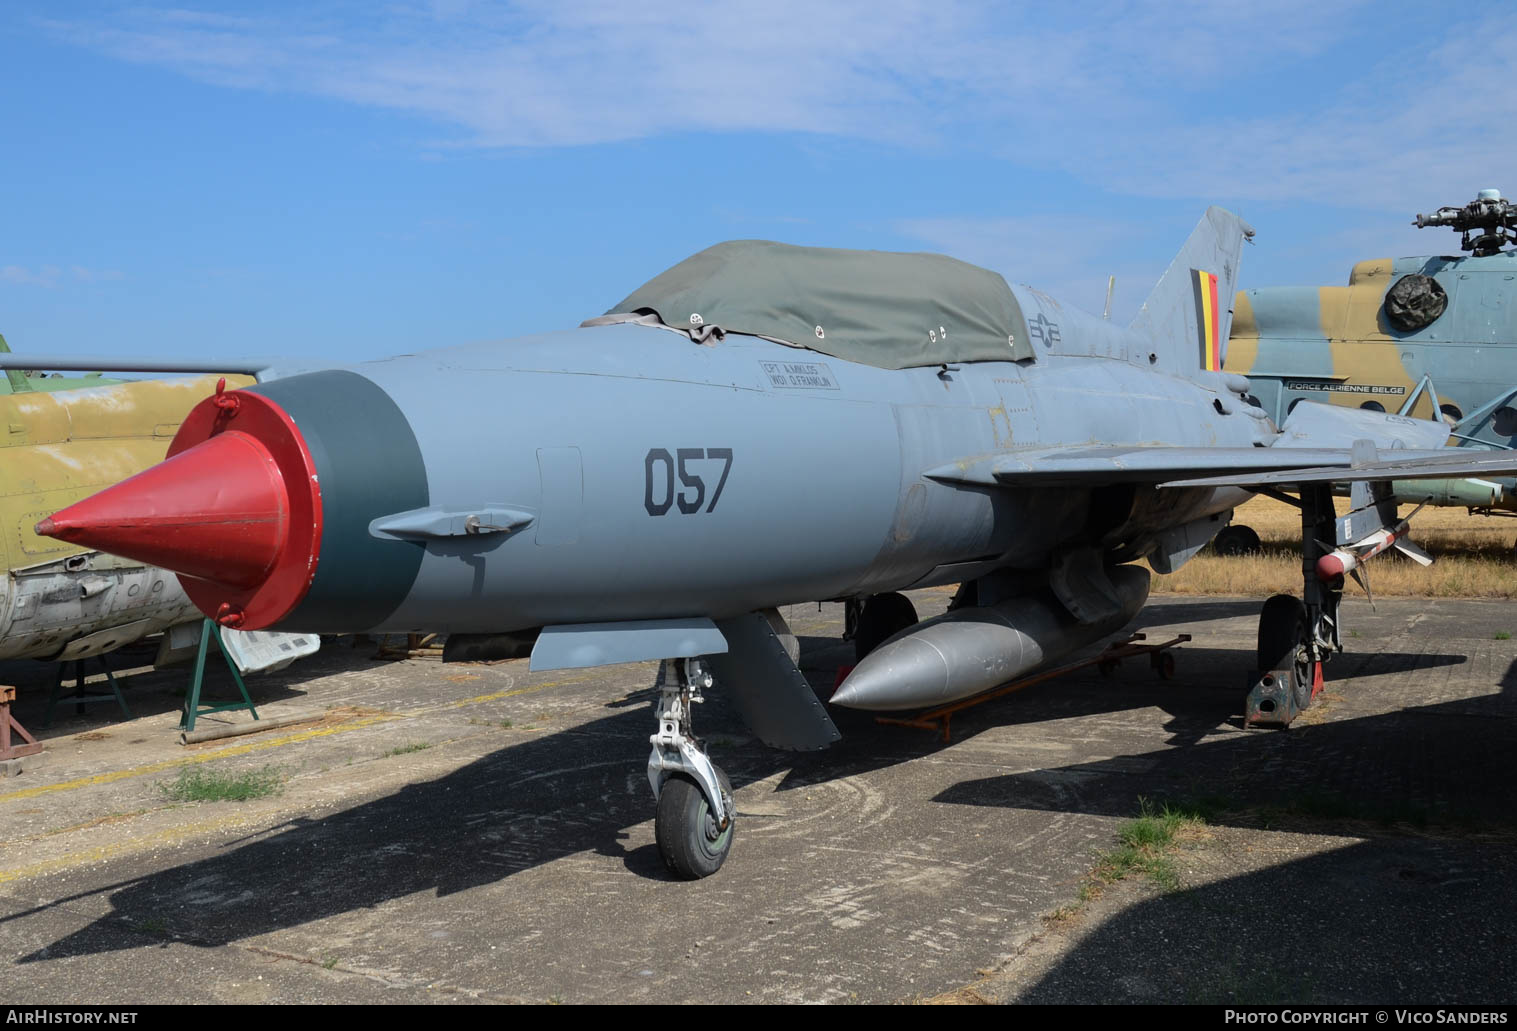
(1119, 94)
(1426, 124)
(52, 275)
(47, 275)
(553, 72)
(1067, 257)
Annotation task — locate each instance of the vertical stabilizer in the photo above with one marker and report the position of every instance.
(15, 379)
(1189, 313)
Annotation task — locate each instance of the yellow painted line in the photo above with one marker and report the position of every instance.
(169, 764)
(167, 836)
(480, 699)
(279, 742)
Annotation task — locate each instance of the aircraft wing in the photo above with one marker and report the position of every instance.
(1381, 447)
(263, 368)
(1452, 463)
(1217, 466)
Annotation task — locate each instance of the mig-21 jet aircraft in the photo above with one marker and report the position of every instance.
(758, 426)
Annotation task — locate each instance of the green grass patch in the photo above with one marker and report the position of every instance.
(1503, 635)
(415, 746)
(196, 784)
(1143, 849)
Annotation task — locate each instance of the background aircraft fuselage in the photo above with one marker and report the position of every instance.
(1335, 343)
(59, 445)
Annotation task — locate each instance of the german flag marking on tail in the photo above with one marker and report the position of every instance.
(1208, 319)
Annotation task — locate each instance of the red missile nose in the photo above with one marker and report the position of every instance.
(1329, 566)
(217, 511)
(234, 508)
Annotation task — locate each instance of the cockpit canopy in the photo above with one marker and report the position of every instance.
(892, 311)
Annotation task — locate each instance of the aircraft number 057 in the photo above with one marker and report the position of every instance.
(660, 469)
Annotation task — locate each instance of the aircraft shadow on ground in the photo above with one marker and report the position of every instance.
(542, 799)
(1422, 912)
(1412, 920)
(526, 805)
(1442, 764)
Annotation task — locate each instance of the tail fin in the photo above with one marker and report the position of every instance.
(1189, 313)
(15, 377)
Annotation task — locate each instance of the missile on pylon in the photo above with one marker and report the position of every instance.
(971, 650)
(1350, 557)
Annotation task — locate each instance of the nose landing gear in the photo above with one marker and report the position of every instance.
(694, 823)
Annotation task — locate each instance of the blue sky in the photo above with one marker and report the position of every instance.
(356, 179)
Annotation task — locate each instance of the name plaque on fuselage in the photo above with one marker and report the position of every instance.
(799, 375)
(1329, 386)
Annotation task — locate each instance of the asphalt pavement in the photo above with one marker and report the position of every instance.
(478, 833)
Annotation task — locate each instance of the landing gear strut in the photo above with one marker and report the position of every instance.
(694, 823)
(1298, 635)
(879, 617)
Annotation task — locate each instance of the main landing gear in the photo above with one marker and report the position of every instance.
(694, 823)
(878, 617)
(1297, 635)
(1236, 540)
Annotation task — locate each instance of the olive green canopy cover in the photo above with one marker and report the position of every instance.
(892, 311)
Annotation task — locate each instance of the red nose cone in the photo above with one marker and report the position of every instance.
(235, 508)
(217, 511)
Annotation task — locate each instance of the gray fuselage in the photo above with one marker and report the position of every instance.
(615, 439)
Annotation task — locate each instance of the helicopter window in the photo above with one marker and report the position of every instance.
(1505, 422)
(1451, 413)
(1292, 406)
(1373, 406)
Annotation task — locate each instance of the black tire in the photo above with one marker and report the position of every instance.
(1236, 540)
(1282, 628)
(883, 616)
(1303, 689)
(685, 831)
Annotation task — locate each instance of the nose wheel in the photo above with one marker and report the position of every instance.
(691, 841)
(693, 825)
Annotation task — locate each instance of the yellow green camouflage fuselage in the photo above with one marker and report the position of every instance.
(57, 447)
(1335, 344)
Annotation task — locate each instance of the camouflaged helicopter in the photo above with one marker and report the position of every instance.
(1421, 336)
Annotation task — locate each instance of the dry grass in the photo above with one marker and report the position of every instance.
(1475, 558)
